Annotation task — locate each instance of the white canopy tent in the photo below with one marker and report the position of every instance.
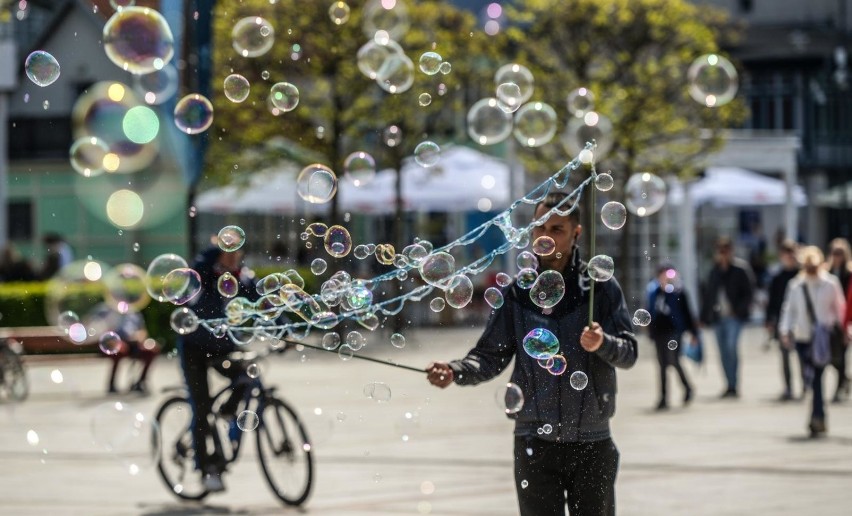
(733, 186)
(463, 180)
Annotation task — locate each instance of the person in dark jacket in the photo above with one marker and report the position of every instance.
(200, 349)
(564, 453)
(777, 289)
(840, 265)
(670, 319)
(726, 305)
(13, 266)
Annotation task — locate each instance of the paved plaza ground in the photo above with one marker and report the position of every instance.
(744, 457)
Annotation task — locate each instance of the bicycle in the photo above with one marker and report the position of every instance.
(283, 447)
(13, 376)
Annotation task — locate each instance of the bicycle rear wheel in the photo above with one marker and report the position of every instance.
(284, 452)
(15, 385)
(177, 456)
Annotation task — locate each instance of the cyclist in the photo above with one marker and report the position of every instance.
(200, 349)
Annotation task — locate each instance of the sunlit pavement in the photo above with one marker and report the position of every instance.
(748, 456)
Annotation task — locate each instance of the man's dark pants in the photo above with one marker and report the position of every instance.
(550, 476)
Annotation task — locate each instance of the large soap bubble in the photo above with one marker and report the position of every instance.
(316, 184)
(645, 193)
(540, 344)
(712, 80)
(520, 76)
(41, 68)
(613, 215)
(601, 268)
(460, 291)
(158, 269)
(252, 36)
(487, 123)
(591, 127)
(535, 124)
(396, 75)
(138, 40)
(390, 19)
(548, 289)
(373, 54)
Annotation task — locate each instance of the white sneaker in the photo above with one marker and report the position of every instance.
(213, 483)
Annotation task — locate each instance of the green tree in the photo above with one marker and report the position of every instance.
(340, 109)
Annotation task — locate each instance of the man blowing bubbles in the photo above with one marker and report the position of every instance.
(575, 462)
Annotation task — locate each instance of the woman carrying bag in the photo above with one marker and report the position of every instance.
(811, 316)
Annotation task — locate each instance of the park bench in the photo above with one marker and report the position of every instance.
(46, 339)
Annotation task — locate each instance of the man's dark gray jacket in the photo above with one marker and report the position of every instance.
(574, 415)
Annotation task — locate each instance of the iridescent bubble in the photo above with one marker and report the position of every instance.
(559, 365)
(493, 297)
(540, 344)
(592, 127)
(385, 254)
(526, 260)
(67, 319)
(158, 269)
(487, 123)
(378, 391)
(247, 421)
(252, 36)
(427, 154)
(526, 278)
(510, 398)
(358, 295)
(41, 68)
(158, 86)
(355, 340)
(181, 285)
(373, 54)
(548, 289)
(712, 80)
(231, 238)
(110, 343)
(339, 13)
(318, 266)
(227, 285)
(77, 333)
(580, 102)
(445, 68)
(360, 168)
(271, 283)
(392, 136)
(543, 246)
(337, 241)
(645, 194)
(236, 88)
(430, 62)
(437, 304)
(503, 279)
(436, 268)
(138, 40)
(509, 96)
(545, 362)
(520, 76)
(396, 75)
(613, 215)
(601, 268)
(183, 320)
(330, 341)
(284, 96)
(398, 340)
(460, 291)
(87, 156)
(535, 124)
(424, 99)
(641, 317)
(193, 114)
(316, 184)
(125, 288)
(579, 380)
(604, 182)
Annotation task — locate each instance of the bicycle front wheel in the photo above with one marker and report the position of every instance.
(14, 376)
(284, 452)
(176, 463)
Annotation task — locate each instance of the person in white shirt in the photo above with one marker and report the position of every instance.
(815, 287)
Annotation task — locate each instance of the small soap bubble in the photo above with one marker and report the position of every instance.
(183, 320)
(339, 13)
(360, 168)
(503, 279)
(445, 68)
(345, 353)
(535, 124)
(527, 260)
(437, 304)
(41, 68)
(316, 184)
(228, 285)
(330, 341)
(524, 484)
(110, 343)
(231, 238)
(558, 366)
(193, 114)
(493, 297)
(355, 340)
(604, 182)
(613, 215)
(645, 194)
(544, 246)
(424, 99)
(547, 428)
(378, 391)
(252, 36)
(236, 88)
(247, 421)
(284, 96)
(337, 241)
(580, 102)
(526, 278)
(601, 268)
(398, 340)
(520, 76)
(318, 266)
(253, 371)
(579, 380)
(509, 95)
(712, 80)
(488, 123)
(672, 345)
(641, 317)
(430, 63)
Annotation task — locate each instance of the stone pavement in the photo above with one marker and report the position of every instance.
(715, 457)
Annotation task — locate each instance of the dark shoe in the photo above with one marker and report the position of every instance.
(661, 406)
(817, 427)
(785, 396)
(730, 393)
(112, 390)
(139, 387)
(687, 396)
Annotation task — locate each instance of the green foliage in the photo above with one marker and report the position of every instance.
(334, 95)
(634, 56)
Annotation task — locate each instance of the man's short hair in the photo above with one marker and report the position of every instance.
(787, 246)
(554, 199)
(724, 243)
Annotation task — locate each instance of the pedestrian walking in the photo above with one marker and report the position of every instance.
(726, 305)
(671, 317)
(564, 452)
(840, 265)
(777, 287)
(813, 309)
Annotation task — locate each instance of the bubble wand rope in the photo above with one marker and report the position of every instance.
(361, 357)
(593, 223)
